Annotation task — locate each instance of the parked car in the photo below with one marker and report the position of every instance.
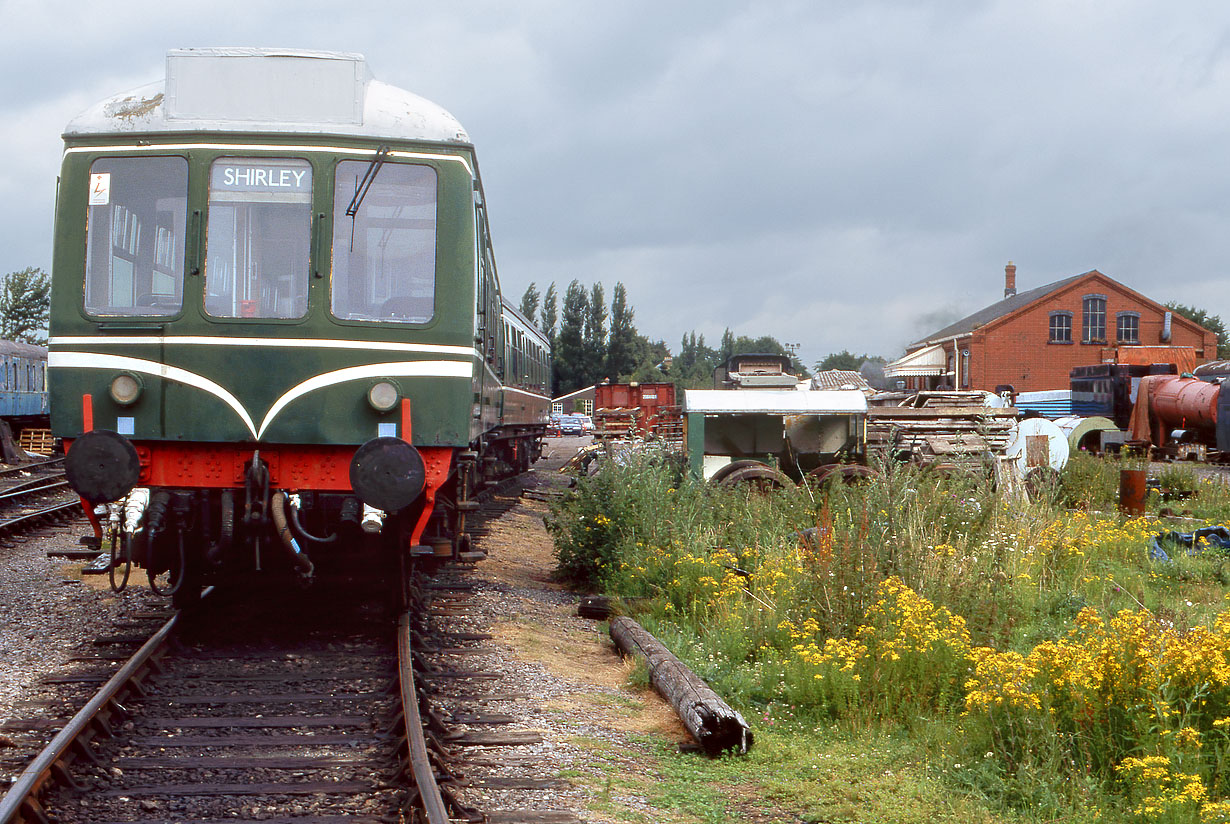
(570, 425)
(587, 424)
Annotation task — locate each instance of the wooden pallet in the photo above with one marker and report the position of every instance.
(39, 441)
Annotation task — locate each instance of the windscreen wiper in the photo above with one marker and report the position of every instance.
(364, 186)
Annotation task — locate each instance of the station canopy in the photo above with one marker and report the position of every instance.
(920, 363)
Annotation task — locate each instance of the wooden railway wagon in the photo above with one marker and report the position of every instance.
(276, 316)
(637, 410)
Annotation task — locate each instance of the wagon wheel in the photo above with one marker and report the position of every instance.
(1041, 481)
(760, 476)
(733, 466)
(846, 473)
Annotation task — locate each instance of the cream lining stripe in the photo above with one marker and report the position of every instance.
(89, 360)
(289, 343)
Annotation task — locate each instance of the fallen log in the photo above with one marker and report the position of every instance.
(598, 607)
(710, 720)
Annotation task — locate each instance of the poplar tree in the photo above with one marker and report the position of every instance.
(529, 303)
(570, 371)
(550, 312)
(595, 335)
(621, 350)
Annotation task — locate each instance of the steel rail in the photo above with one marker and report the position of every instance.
(13, 470)
(416, 742)
(22, 794)
(33, 486)
(9, 524)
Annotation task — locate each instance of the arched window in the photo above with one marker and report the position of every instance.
(1094, 319)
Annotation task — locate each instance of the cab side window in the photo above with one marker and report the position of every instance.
(384, 242)
(136, 224)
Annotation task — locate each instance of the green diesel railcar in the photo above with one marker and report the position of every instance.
(276, 315)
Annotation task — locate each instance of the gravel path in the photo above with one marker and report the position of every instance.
(48, 608)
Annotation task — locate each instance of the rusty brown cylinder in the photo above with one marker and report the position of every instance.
(1186, 403)
(1132, 491)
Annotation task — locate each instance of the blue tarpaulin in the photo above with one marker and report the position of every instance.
(1210, 536)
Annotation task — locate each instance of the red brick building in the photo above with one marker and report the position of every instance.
(1031, 340)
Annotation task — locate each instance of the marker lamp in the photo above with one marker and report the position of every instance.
(125, 389)
(383, 396)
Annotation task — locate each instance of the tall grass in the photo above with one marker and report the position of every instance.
(1041, 632)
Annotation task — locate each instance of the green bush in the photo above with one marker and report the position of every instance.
(1090, 482)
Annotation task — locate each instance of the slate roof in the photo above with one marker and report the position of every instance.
(996, 310)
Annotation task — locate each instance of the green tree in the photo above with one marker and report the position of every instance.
(727, 347)
(653, 361)
(529, 303)
(846, 360)
(25, 306)
(550, 312)
(570, 371)
(1211, 322)
(621, 354)
(595, 336)
(693, 367)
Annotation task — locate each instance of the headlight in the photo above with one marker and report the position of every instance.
(383, 396)
(125, 389)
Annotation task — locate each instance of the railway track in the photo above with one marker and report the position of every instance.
(241, 709)
(313, 707)
(29, 503)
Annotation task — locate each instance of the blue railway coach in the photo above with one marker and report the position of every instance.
(23, 390)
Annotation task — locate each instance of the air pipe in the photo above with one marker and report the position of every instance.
(277, 509)
(296, 503)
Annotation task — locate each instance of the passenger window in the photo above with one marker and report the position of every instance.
(384, 242)
(259, 232)
(136, 222)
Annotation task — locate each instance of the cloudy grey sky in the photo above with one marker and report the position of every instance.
(841, 175)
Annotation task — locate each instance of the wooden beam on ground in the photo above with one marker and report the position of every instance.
(710, 720)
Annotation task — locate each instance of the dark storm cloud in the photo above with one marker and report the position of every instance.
(847, 176)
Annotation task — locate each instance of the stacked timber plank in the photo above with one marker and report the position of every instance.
(948, 429)
(618, 423)
(668, 427)
(625, 423)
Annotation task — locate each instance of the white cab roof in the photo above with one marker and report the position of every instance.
(270, 90)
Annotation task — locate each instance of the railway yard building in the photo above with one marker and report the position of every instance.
(1031, 340)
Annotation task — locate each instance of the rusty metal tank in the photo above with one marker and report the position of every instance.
(1186, 403)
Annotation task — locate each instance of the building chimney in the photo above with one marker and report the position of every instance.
(1010, 280)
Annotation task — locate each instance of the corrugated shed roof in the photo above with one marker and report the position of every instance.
(997, 310)
(839, 379)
